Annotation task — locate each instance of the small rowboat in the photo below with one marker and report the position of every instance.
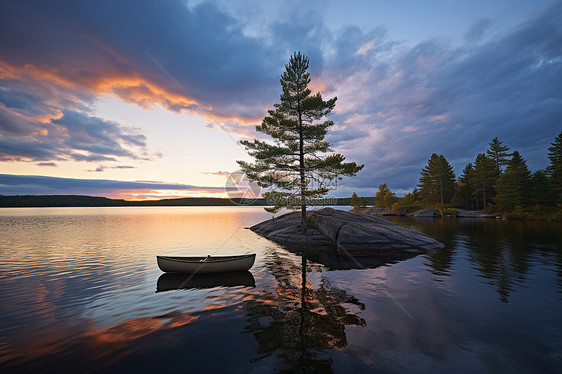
(205, 265)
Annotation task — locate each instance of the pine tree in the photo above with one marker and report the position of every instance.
(297, 165)
(539, 188)
(518, 166)
(554, 170)
(498, 153)
(464, 197)
(484, 177)
(362, 202)
(381, 197)
(354, 200)
(389, 199)
(437, 181)
(411, 197)
(507, 194)
(512, 188)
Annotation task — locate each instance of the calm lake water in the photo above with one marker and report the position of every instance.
(80, 290)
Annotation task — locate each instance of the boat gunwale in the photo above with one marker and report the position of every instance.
(214, 260)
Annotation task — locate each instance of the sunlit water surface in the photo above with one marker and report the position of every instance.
(80, 290)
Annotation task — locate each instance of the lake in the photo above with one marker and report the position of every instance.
(81, 292)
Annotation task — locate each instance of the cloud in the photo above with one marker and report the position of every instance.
(477, 30)
(166, 54)
(435, 97)
(97, 170)
(101, 168)
(218, 173)
(397, 103)
(74, 136)
(42, 185)
(47, 164)
(58, 58)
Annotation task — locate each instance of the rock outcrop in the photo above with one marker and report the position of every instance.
(286, 230)
(474, 214)
(358, 234)
(427, 213)
(459, 213)
(380, 211)
(375, 210)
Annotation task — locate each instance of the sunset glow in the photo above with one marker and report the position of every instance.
(166, 94)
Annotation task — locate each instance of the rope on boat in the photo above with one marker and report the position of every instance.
(185, 282)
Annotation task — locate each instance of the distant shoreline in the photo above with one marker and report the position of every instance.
(54, 201)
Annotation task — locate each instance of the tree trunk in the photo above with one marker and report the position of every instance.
(301, 167)
(441, 189)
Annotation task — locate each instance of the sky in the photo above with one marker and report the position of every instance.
(149, 99)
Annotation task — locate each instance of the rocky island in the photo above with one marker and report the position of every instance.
(356, 234)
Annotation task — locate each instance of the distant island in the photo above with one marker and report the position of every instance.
(22, 201)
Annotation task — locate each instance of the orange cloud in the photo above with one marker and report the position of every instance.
(130, 88)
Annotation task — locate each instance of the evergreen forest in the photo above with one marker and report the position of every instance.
(497, 181)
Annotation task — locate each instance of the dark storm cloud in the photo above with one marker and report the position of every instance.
(58, 56)
(199, 52)
(397, 104)
(98, 136)
(454, 100)
(74, 136)
(39, 185)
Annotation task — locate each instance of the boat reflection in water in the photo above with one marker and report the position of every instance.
(177, 281)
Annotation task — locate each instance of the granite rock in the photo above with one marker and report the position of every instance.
(357, 234)
(427, 213)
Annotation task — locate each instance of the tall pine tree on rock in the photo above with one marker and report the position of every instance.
(298, 164)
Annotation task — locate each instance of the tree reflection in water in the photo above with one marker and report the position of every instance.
(297, 322)
(503, 253)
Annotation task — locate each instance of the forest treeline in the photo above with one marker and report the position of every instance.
(94, 201)
(497, 181)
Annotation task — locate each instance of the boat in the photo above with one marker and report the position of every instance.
(182, 281)
(205, 265)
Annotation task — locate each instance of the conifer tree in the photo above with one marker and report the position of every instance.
(539, 188)
(389, 199)
(484, 177)
(507, 194)
(383, 195)
(362, 202)
(437, 181)
(464, 197)
(498, 153)
(512, 188)
(411, 197)
(518, 166)
(298, 164)
(554, 170)
(354, 200)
